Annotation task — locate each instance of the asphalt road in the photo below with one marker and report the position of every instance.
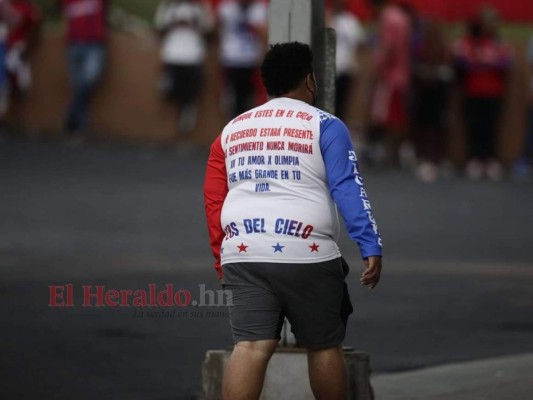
(458, 272)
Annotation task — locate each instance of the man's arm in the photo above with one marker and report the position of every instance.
(347, 190)
(215, 191)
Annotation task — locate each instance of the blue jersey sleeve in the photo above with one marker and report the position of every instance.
(346, 186)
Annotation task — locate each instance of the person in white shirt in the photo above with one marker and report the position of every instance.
(350, 36)
(183, 26)
(243, 30)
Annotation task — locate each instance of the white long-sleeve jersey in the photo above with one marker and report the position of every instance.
(288, 167)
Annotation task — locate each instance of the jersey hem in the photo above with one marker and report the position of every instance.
(282, 261)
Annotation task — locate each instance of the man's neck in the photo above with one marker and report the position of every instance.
(295, 95)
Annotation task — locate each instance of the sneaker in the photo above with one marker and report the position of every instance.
(474, 170)
(187, 120)
(427, 172)
(407, 156)
(494, 170)
(74, 139)
(447, 169)
(522, 170)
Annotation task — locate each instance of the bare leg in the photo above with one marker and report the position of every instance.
(245, 372)
(327, 373)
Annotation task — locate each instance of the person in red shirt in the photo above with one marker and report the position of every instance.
(86, 37)
(482, 62)
(21, 40)
(391, 72)
(8, 19)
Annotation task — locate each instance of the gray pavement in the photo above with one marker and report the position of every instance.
(489, 379)
(456, 285)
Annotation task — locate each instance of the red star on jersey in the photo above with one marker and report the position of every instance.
(242, 248)
(314, 247)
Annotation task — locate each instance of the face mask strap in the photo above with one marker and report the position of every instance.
(314, 92)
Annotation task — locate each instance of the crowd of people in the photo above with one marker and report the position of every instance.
(185, 28)
(415, 70)
(86, 36)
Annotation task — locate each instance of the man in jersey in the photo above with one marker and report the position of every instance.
(275, 178)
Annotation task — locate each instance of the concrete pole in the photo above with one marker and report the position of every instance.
(325, 69)
(304, 21)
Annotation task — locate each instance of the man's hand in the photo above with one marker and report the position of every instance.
(372, 272)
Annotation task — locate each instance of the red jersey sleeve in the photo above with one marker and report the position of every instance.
(215, 191)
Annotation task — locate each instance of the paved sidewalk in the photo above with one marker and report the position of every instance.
(509, 378)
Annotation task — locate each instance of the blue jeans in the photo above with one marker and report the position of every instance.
(528, 144)
(85, 63)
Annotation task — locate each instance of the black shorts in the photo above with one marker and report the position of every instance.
(313, 297)
(181, 83)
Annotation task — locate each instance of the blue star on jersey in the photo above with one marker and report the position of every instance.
(278, 247)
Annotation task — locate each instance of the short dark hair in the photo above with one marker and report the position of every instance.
(285, 66)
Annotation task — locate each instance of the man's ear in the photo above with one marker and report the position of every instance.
(310, 81)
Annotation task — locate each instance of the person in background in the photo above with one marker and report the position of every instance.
(87, 31)
(431, 83)
(8, 19)
(243, 37)
(21, 40)
(522, 169)
(482, 62)
(350, 36)
(392, 73)
(183, 26)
